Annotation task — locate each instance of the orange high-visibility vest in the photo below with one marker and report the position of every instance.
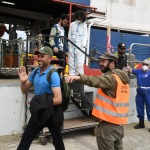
(114, 110)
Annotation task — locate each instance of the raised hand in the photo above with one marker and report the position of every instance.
(22, 74)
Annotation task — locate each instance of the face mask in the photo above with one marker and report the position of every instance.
(145, 68)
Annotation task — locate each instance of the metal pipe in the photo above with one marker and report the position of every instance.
(139, 44)
(0, 52)
(75, 46)
(88, 42)
(27, 50)
(108, 39)
(70, 14)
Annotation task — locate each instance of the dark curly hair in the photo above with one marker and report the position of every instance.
(80, 14)
(64, 16)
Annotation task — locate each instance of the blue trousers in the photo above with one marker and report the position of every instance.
(142, 100)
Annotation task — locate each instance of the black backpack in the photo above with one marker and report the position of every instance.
(65, 88)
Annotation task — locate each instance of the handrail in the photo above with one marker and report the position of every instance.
(66, 39)
(139, 44)
(88, 42)
(82, 50)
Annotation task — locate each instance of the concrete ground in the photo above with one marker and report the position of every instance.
(84, 140)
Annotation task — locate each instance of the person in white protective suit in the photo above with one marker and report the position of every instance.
(78, 35)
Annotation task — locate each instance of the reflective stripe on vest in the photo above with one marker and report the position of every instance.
(112, 103)
(114, 110)
(110, 112)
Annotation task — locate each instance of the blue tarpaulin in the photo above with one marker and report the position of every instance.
(85, 2)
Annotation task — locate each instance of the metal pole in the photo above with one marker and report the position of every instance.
(88, 43)
(70, 14)
(0, 52)
(139, 44)
(26, 63)
(64, 57)
(108, 39)
(27, 43)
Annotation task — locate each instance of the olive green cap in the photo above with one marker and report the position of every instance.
(108, 55)
(45, 50)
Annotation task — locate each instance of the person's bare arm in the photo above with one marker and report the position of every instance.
(25, 83)
(25, 86)
(57, 99)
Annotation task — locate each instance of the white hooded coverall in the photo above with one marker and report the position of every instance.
(78, 35)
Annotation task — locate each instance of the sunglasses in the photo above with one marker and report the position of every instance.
(145, 64)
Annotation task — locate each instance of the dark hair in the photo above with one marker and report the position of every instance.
(115, 63)
(81, 14)
(64, 16)
(39, 32)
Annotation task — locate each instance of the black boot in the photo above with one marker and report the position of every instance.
(140, 125)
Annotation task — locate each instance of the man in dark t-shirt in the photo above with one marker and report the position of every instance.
(122, 57)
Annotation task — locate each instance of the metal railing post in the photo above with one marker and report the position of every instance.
(133, 44)
(0, 52)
